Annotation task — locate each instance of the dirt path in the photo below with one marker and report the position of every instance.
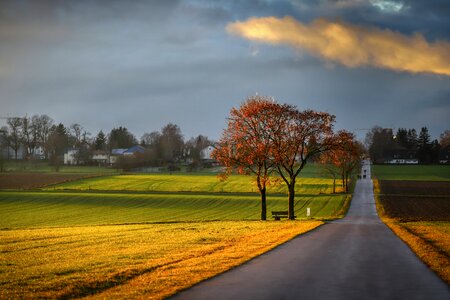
(357, 257)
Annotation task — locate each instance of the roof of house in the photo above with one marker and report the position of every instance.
(134, 149)
(118, 151)
(131, 150)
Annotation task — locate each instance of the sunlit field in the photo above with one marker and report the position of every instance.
(192, 183)
(149, 236)
(41, 209)
(128, 261)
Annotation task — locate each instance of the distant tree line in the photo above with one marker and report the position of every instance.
(384, 145)
(41, 137)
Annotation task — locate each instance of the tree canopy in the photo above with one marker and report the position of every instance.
(264, 136)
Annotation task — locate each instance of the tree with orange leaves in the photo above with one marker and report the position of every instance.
(298, 137)
(263, 136)
(246, 145)
(344, 157)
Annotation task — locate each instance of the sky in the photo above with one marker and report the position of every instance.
(144, 64)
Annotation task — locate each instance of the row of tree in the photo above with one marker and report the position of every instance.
(40, 132)
(265, 138)
(384, 145)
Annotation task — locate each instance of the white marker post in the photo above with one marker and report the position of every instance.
(308, 211)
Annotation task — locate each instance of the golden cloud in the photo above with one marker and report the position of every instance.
(349, 44)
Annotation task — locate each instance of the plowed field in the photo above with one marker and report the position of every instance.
(16, 181)
(416, 200)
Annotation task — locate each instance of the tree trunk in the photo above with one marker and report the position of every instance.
(263, 204)
(347, 175)
(334, 185)
(291, 197)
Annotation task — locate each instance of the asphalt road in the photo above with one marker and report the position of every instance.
(357, 257)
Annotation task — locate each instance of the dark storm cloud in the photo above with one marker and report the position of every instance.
(431, 18)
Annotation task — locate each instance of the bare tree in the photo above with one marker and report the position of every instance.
(171, 142)
(15, 138)
(43, 124)
(76, 131)
(444, 139)
(30, 135)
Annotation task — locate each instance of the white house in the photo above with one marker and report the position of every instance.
(70, 157)
(403, 161)
(207, 153)
(100, 158)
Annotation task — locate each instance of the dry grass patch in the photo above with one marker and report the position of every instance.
(429, 240)
(149, 261)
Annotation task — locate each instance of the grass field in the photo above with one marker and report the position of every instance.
(412, 172)
(142, 236)
(150, 261)
(43, 209)
(192, 183)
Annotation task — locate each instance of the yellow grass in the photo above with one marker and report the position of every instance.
(430, 241)
(150, 261)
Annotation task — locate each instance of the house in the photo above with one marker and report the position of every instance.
(403, 161)
(70, 157)
(133, 150)
(118, 152)
(444, 155)
(403, 156)
(206, 153)
(100, 158)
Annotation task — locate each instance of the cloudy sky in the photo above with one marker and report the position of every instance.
(143, 64)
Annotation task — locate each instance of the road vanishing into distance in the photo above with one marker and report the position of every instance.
(357, 257)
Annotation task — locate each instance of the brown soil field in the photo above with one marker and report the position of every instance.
(406, 187)
(25, 181)
(409, 201)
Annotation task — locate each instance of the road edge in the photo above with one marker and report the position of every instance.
(426, 252)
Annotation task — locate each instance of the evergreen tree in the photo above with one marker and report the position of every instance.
(121, 138)
(401, 138)
(424, 146)
(100, 141)
(412, 139)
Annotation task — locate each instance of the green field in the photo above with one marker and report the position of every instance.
(191, 183)
(46, 209)
(149, 198)
(412, 172)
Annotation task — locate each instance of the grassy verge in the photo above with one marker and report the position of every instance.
(131, 261)
(430, 241)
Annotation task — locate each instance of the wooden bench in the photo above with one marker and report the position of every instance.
(277, 215)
